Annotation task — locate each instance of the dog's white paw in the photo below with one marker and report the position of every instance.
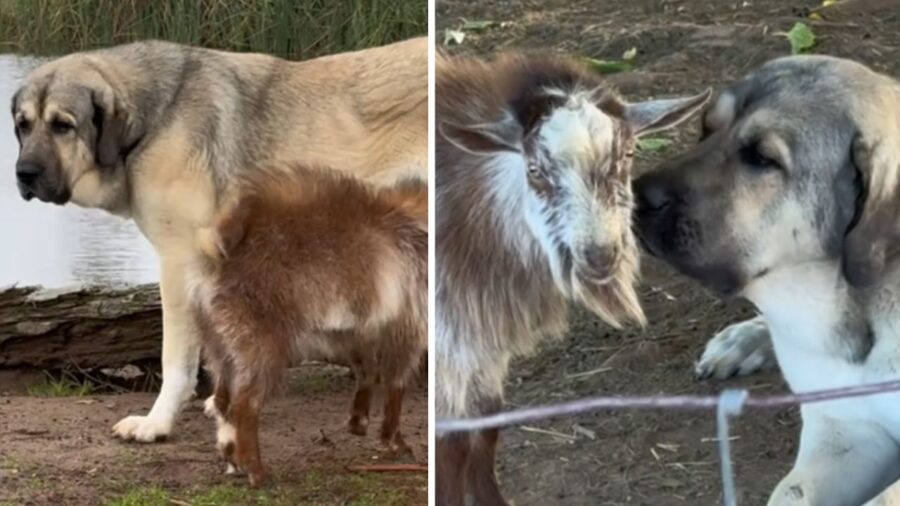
(144, 429)
(740, 349)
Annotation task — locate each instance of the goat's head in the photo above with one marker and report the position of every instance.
(563, 157)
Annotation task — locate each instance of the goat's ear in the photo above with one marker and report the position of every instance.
(872, 233)
(655, 115)
(114, 127)
(484, 139)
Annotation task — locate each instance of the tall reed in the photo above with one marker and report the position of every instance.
(295, 29)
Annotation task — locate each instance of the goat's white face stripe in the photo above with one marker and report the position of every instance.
(578, 131)
(579, 136)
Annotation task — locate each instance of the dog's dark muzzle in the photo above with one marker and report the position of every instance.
(34, 181)
(655, 213)
(668, 232)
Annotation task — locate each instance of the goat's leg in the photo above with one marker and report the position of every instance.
(216, 407)
(482, 472)
(244, 415)
(452, 460)
(390, 426)
(359, 411)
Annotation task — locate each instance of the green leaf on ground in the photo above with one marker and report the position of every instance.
(607, 66)
(629, 54)
(801, 38)
(653, 144)
(478, 26)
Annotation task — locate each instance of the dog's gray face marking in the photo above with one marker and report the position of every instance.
(780, 178)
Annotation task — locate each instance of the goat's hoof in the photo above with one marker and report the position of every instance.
(358, 426)
(397, 447)
(260, 478)
(232, 470)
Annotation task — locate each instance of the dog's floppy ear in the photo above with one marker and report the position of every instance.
(872, 233)
(116, 131)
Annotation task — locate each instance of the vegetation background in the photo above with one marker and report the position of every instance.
(294, 29)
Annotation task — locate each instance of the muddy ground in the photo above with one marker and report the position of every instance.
(648, 458)
(60, 451)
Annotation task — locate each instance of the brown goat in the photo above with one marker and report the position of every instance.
(533, 196)
(316, 265)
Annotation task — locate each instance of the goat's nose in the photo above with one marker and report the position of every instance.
(652, 193)
(600, 257)
(28, 172)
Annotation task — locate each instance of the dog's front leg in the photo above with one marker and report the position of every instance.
(180, 357)
(840, 463)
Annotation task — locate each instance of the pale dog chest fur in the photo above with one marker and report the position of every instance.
(803, 309)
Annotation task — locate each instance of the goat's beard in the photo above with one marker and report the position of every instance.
(614, 299)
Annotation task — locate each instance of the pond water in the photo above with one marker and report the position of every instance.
(53, 246)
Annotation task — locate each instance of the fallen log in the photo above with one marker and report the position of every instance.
(85, 326)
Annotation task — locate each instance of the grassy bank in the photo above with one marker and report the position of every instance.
(296, 29)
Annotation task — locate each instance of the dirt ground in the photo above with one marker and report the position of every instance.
(651, 458)
(60, 451)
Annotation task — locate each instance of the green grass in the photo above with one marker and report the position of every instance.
(314, 488)
(64, 386)
(288, 28)
(149, 496)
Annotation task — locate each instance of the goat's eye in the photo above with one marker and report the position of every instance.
(534, 171)
(755, 159)
(60, 126)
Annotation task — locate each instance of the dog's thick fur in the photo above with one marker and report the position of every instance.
(792, 201)
(533, 212)
(161, 132)
(310, 265)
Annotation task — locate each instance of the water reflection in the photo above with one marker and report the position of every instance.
(56, 246)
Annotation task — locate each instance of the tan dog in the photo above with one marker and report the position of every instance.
(792, 202)
(162, 132)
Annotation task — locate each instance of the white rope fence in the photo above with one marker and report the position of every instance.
(728, 404)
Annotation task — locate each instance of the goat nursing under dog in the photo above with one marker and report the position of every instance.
(318, 265)
(533, 212)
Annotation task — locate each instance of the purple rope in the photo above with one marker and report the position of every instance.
(660, 402)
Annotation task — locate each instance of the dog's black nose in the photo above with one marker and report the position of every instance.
(652, 193)
(28, 172)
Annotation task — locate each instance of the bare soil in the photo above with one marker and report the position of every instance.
(60, 451)
(653, 458)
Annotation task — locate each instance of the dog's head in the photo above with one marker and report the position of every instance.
(799, 163)
(74, 125)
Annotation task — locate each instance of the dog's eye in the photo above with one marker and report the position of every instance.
(23, 124)
(534, 172)
(752, 156)
(60, 126)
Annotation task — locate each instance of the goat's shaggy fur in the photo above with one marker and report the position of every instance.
(533, 212)
(317, 265)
